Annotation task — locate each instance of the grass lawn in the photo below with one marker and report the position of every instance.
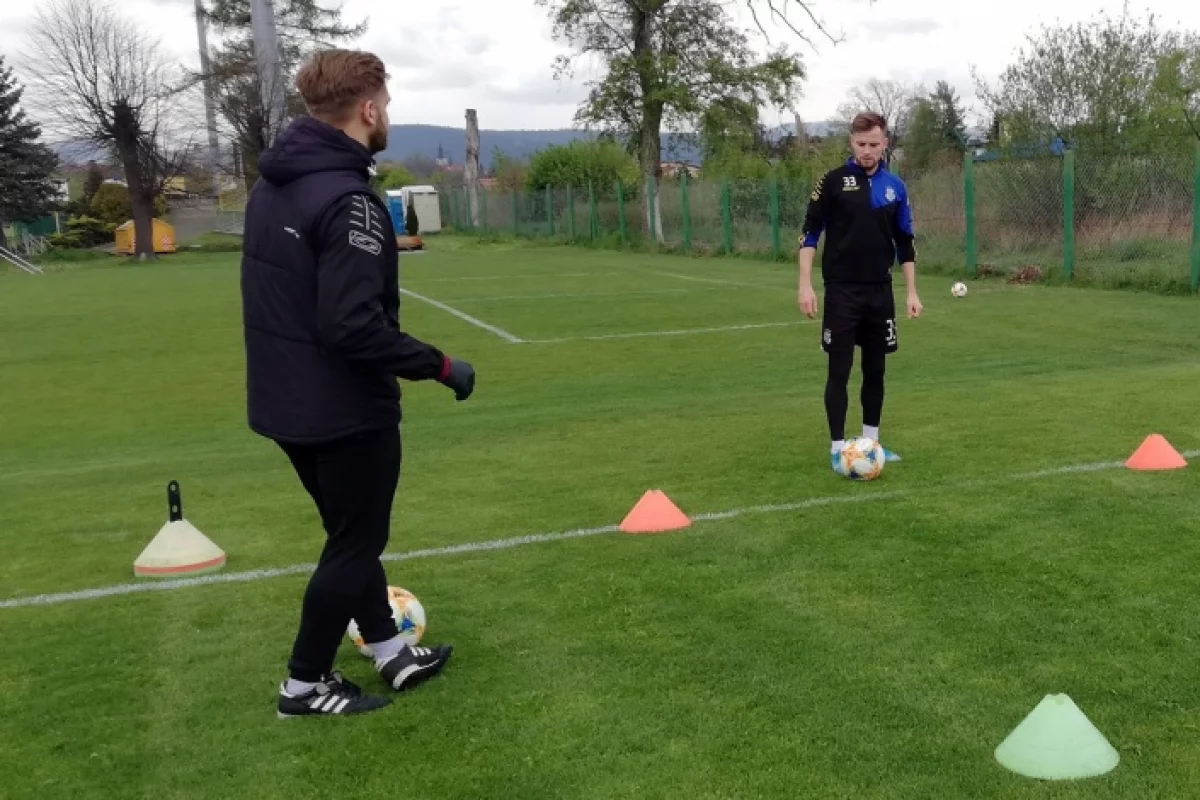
(806, 637)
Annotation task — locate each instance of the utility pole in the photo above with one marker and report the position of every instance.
(471, 170)
(270, 72)
(210, 111)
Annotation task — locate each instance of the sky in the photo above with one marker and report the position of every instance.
(496, 55)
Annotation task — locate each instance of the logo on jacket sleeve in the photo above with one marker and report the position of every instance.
(364, 242)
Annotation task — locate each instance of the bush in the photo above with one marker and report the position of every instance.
(579, 163)
(111, 204)
(83, 232)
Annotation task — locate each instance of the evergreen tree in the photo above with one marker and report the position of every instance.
(26, 165)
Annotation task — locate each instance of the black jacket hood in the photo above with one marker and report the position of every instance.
(309, 145)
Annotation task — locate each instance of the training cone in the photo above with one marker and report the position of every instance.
(654, 513)
(1057, 742)
(178, 549)
(1155, 453)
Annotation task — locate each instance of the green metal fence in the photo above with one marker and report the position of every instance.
(1123, 219)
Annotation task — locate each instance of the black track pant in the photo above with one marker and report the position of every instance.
(353, 482)
(837, 395)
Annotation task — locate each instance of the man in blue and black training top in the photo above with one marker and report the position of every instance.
(324, 349)
(864, 212)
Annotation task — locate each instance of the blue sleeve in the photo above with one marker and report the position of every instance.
(906, 249)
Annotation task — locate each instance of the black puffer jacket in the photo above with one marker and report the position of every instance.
(320, 294)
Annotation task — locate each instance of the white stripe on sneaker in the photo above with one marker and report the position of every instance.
(342, 705)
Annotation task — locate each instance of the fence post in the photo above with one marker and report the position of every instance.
(687, 211)
(483, 209)
(593, 220)
(969, 210)
(571, 212)
(1069, 214)
(550, 207)
(726, 217)
(621, 213)
(1196, 224)
(776, 245)
(515, 219)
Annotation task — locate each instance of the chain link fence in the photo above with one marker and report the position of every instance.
(1121, 220)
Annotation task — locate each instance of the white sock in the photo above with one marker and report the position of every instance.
(295, 687)
(837, 446)
(386, 650)
(870, 433)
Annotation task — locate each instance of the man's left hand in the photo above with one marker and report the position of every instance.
(914, 305)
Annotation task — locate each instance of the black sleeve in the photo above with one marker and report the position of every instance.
(814, 218)
(350, 285)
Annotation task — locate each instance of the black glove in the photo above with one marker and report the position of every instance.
(460, 378)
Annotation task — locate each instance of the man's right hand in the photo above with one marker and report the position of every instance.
(808, 302)
(459, 376)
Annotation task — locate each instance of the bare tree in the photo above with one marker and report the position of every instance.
(893, 100)
(104, 80)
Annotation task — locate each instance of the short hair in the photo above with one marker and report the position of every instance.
(334, 81)
(868, 120)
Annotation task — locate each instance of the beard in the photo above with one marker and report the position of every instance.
(377, 140)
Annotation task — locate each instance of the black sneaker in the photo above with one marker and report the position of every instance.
(413, 665)
(333, 696)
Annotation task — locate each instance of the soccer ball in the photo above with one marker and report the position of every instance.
(861, 459)
(408, 613)
(959, 289)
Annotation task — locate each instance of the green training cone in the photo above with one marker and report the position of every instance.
(1057, 742)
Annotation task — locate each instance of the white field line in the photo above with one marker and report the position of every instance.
(681, 332)
(526, 276)
(505, 544)
(718, 281)
(576, 295)
(478, 323)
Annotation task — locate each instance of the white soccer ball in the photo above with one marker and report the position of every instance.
(408, 613)
(959, 289)
(861, 459)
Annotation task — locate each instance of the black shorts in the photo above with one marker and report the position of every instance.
(862, 314)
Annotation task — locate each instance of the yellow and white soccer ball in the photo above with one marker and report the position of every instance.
(959, 289)
(861, 459)
(408, 613)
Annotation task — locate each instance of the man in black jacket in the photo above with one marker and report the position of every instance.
(864, 212)
(324, 351)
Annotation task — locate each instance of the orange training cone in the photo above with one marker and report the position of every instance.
(1155, 453)
(654, 513)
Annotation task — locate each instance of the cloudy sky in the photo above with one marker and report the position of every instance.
(496, 55)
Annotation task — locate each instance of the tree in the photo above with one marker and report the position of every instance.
(579, 163)
(666, 62)
(1089, 83)
(924, 138)
(893, 100)
(104, 80)
(93, 182)
(26, 165)
(1177, 89)
(951, 128)
(304, 26)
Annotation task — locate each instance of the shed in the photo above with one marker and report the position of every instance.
(164, 238)
(426, 203)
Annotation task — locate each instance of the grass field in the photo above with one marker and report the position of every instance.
(807, 637)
